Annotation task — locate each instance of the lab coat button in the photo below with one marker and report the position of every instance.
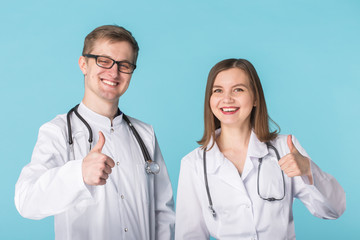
(118, 163)
(125, 229)
(112, 130)
(122, 196)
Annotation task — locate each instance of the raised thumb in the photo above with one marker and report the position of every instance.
(100, 144)
(291, 144)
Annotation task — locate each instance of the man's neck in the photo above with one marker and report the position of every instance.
(107, 109)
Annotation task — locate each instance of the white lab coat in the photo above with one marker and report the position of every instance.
(241, 213)
(132, 204)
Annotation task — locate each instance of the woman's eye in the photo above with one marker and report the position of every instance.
(239, 90)
(217, 90)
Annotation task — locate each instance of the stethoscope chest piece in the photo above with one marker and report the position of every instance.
(152, 167)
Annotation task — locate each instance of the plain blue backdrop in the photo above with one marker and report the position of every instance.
(306, 53)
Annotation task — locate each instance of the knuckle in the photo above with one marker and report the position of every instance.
(103, 158)
(101, 166)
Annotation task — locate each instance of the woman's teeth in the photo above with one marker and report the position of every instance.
(229, 109)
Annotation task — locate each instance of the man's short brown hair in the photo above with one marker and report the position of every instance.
(113, 33)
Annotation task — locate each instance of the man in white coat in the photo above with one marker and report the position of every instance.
(101, 189)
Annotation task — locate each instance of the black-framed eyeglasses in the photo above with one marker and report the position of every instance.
(107, 63)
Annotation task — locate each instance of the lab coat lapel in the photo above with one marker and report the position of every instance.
(256, 150)
(223, 169)
(229, 174)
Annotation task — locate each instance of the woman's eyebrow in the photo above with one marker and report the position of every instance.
(236, 85)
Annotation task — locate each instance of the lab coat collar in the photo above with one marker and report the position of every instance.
(256, 148)
(215, 158)
(98, 119)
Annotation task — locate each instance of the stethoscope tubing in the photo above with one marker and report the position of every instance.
(74, 109)
(138, 138)
(211, 207)
(270, 199)
(141, 143)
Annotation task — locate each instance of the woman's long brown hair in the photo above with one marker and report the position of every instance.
(259, 119)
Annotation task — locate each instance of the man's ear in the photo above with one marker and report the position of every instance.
(83, 65)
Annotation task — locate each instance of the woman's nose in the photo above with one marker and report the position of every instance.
(228, 97)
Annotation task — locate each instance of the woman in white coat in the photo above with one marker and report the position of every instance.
(234, 186)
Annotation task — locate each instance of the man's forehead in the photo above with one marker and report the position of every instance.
(107, 41)
(117, 50)
(112, 45)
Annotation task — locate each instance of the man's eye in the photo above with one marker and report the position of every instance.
(104, 61)
(125, 66)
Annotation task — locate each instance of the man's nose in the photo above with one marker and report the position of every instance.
(114, 70)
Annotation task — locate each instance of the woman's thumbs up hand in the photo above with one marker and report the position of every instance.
(295, 164)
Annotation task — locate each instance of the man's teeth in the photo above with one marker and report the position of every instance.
(229, 109)
(110, 83)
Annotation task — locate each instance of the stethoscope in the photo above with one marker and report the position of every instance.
(270, 199)
(151, 167)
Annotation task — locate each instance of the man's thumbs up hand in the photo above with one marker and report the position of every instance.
(100, 144)
(96, 166)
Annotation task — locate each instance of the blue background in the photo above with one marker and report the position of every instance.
(306, 53)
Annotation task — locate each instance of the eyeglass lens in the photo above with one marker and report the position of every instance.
(106, 62)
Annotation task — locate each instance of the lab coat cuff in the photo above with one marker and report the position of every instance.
(78, 180)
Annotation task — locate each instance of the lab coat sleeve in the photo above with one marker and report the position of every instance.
(164, 202)
(50, 183)
(325, 198)
(190, 223)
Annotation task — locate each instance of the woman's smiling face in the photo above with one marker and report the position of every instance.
(232, 98)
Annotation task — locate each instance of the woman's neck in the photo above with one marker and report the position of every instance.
(234, 138)
(233, 143)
